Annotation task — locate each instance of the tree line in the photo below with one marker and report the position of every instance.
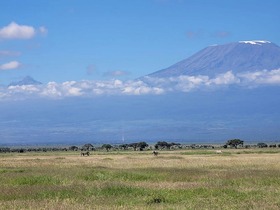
(139, 146)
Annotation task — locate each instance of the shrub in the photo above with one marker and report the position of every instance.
(261, 145)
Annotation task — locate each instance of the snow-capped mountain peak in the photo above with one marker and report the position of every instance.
(239, 57)
(257, 42)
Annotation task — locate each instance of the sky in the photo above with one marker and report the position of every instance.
(88, 55)
(75, 40)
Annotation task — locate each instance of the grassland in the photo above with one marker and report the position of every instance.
(182, 179)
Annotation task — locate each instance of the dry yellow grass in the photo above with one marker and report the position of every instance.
(172, 180)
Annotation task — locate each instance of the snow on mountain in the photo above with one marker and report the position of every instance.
(238, 57)
(258, 42)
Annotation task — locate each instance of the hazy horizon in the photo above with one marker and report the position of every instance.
(92, 58)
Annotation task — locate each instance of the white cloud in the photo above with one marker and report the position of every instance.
(149, 85)
(11, 65)
(56, 90)
(264, 77)
(15, 31)
(188, 83)
(70, 89)
(51, 90)
(140, 88)
(24, 88)
(225, 79)
(90, 88)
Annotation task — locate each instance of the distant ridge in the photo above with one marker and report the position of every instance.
(25, 81)
(242, 56)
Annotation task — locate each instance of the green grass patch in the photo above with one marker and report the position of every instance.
(35, 180)
(146, 174)
(263, 151)
(117, 190)
(11, 170)
(199, 152)
(119, 175)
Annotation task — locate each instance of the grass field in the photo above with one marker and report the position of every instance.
(182, 179)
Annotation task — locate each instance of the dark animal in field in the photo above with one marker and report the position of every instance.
(84, 153)
(155, 153)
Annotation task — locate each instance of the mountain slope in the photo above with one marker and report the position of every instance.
(237, 57)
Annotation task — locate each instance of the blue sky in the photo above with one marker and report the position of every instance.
(87, 54)
(71, 40)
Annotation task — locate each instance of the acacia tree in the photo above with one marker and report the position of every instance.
(107, 147)
(142, 145)
(235, 143)
(164, 144)
(88, 147)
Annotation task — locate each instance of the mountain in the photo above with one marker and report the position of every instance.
(25, 81)
(198, 110)
(237, 57)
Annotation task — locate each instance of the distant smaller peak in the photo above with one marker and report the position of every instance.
(255, 42)
(25, 81)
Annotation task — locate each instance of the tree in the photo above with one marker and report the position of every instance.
(235, 142)
(142, 145)
(164, 144)
(4, 149)
(107, 147)
(73, 148)
(161, 144)
(123, 146)
(88, 147)
(134, 145)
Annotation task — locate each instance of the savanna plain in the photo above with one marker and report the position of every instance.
(180, 179)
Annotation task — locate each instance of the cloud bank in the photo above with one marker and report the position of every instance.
(144, 86)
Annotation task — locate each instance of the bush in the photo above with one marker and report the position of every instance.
(272, 146)
(261, 145)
